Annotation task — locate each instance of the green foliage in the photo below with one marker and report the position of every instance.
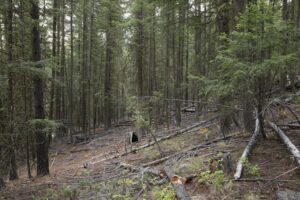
(139, 113)
(250, 169)
(66, 192)
(47, 125)
(216, 179)
(164, 193)
(253, 52)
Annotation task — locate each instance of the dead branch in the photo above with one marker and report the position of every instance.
(281, 175)
(291, 147)
(247, 150)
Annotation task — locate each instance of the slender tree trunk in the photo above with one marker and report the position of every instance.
(71, 101)
(108, 73)
(84, 68)
(51, 112)
(140, 48)
(63, 61)
(11, 107)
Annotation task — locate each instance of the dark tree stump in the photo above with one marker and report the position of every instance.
(2, 184)
(227, 163)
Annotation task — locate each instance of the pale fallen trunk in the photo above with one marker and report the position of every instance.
(177, 184)
(291, 147)
(247, 151)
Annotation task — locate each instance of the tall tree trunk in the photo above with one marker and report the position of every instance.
(285, 17)
(54, 26)
(11, 107)
(108, 73)
(57, 71)
(71, 101)
(223, 28)
(140, 48)
(63, 61)
(41, 139)
(84, 67)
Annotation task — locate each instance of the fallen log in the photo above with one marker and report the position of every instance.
(291, 147)
(185, 130)
(203, 145)
(177, 184)
(182, 131)
(247, 150)
(154, 172)
(291, 126)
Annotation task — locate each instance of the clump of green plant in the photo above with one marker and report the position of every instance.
(250, 169)
(164, 193)
(216, 179)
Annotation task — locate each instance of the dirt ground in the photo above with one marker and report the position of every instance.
(85, 170)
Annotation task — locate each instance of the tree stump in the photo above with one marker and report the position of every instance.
(2, 184)
(227, 163)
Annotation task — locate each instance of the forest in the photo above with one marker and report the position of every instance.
(149, 99)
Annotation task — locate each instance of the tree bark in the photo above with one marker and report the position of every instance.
(41, 139)
(11, 107)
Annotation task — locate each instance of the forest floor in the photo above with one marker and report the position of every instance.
(84, 171)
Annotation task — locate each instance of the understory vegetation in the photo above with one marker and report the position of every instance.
(149, 99)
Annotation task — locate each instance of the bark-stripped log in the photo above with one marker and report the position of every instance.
(177, 184)
(247, 150)
(291, 147)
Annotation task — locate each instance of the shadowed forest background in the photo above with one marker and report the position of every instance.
(74, 72)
